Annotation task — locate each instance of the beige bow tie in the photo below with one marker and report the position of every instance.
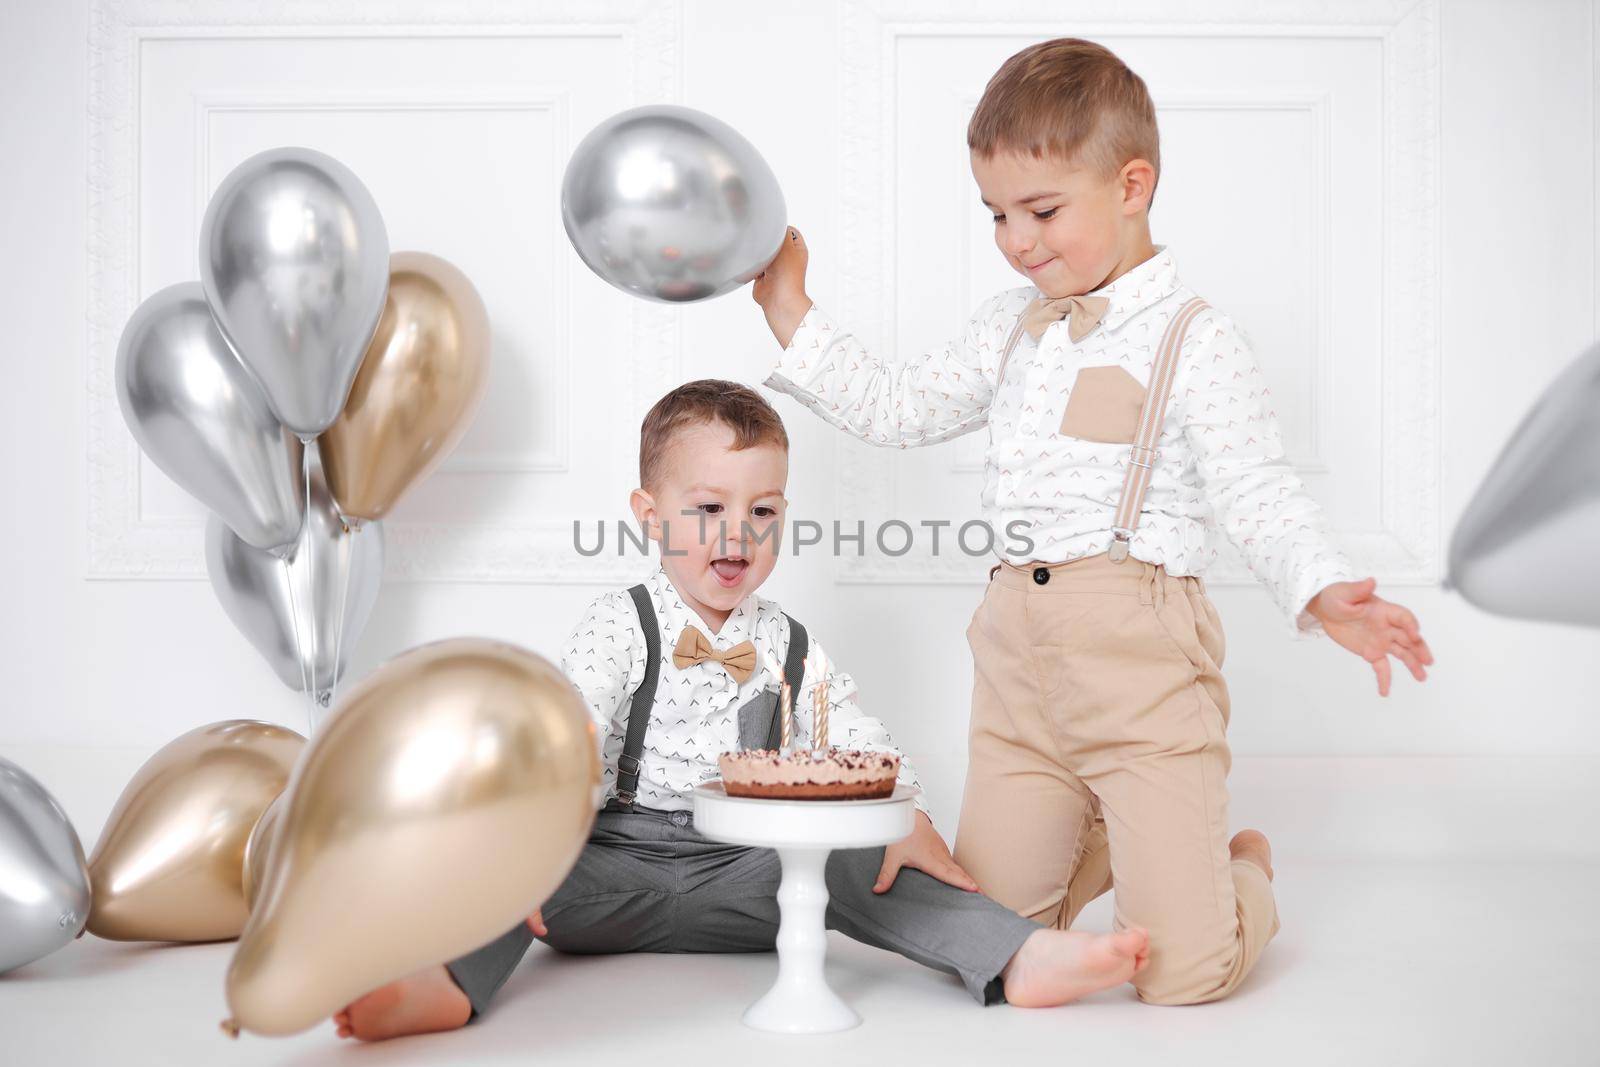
(695, 647)
(1084, 312)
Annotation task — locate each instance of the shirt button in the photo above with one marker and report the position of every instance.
(1041, 575)
(680, 818)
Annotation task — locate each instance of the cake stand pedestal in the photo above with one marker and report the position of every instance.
(802, 832)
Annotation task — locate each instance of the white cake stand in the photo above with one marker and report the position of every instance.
(803, 832)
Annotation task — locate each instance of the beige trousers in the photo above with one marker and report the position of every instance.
(1099, 757)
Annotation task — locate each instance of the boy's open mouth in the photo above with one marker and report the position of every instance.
(729, 569)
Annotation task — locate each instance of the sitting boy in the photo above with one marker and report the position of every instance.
(713, 463)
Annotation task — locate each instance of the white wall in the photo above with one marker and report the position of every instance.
(1410, 234)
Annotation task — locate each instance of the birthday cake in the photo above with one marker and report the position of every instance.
(807, 774)
(815, 772)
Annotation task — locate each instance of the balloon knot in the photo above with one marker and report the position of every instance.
(230, 1028)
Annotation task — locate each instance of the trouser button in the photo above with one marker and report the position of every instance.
(680, 818)
(1041, 575)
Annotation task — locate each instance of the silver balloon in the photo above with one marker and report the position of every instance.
(294, 258)
(44, 883)
(197, 412)
(1525, 545)
(267, 597)
(670, 204)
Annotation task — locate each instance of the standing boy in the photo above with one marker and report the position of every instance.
(1126, 420)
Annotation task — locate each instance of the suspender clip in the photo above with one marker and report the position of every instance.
(1119, 545)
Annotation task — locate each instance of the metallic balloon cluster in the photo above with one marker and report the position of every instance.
(449, 794)
(303, 336)
(302, 328)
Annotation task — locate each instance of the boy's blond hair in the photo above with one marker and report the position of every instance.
(1068, 98)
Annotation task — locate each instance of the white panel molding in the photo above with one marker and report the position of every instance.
(1404, 549)
(120, 543)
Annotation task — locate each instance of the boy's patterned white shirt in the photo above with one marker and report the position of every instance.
(1221, 463)
(696, 713)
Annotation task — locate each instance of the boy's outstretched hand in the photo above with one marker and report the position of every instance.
(781, 288)
(924, 850)
(1373, 628)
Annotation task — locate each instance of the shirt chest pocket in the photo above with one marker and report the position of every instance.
(1104, 405)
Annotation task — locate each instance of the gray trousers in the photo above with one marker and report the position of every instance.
(647, 881)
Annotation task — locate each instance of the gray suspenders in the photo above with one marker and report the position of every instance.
(629, 763)
(644, 698)
(1142, 460)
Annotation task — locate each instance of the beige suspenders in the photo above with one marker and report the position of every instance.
(1005, 355)
(1142, 460)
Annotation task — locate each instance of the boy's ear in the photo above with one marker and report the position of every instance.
(644, 511)
(1138, 186)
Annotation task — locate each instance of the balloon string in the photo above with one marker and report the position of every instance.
(294, 615)
(311, 589)
(346, 546)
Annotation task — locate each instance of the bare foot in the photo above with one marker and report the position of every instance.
(1057, 966)
(417, 1004)
(1252, 845)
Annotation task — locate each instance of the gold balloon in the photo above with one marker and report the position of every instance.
(169, 863)
(443, 801)
(419, 383)
(257, 848)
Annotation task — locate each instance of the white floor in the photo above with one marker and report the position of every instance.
(1484, 954)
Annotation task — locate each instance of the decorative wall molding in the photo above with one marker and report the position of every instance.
(1405, 547)
(121, 544)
